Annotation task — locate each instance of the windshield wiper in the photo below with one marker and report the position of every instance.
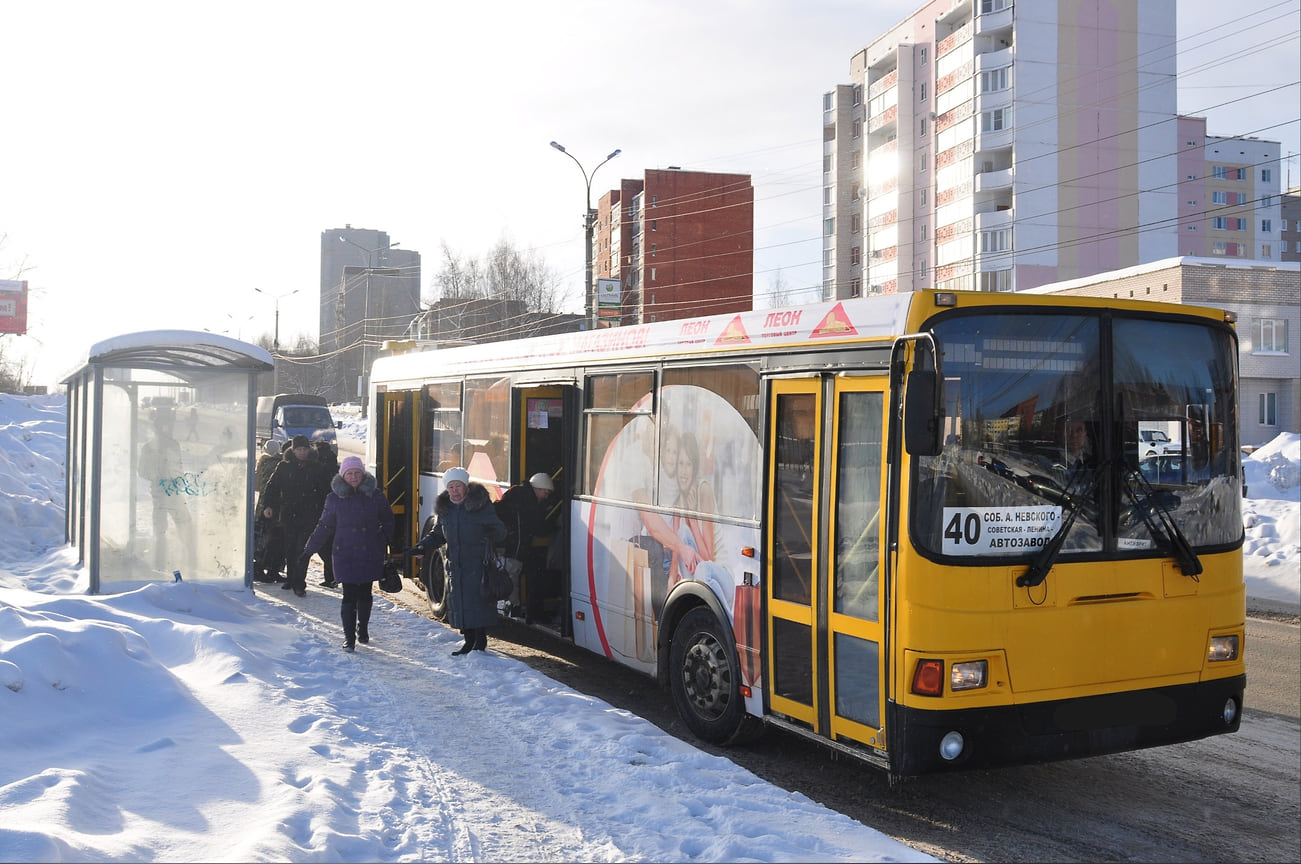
(1160, 524)
(1072, 502)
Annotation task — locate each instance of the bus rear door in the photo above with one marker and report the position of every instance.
(825, 637)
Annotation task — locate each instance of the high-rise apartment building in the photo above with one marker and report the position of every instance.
(1230, 203)
(370, 292)
(679, 243)
(980, 148)
(1290, 225)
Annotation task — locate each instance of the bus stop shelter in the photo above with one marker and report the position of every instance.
(160, 459)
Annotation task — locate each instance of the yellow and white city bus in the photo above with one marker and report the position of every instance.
(918, 528)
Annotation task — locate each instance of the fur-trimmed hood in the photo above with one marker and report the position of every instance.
(476, 498)
(340, 487)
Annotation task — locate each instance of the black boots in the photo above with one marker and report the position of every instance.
(476, 638)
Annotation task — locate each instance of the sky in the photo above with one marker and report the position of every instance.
(156, 153)
(182, 722)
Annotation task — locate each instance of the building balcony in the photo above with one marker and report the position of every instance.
(993, 60)
(886, 118)
(999, 140)
(992, 218)
(987, 181)
(992, 21)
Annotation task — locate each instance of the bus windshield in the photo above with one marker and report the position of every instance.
(1042, 421)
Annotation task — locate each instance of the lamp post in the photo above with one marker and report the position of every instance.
(275, 340)
(364, 383)
(589, 220)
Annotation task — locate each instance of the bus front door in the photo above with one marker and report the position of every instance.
(825, 638)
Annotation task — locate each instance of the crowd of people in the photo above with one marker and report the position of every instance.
(310, 504)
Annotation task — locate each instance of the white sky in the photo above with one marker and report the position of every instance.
(182, 722)
(161, 160)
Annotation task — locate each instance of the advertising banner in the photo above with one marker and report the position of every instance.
(609, 299)
(13, 306)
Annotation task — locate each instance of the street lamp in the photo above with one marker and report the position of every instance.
(364, 377)
(589, 220)
(275, 342)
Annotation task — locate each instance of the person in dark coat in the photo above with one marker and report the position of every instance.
(354, 530)
(327, 457)
(268, 539)
(523, 509)
(466, 525)
(294, 497)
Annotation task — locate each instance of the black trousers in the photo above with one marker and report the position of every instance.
(354, 610)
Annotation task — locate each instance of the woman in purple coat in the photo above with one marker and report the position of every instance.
(359, 517)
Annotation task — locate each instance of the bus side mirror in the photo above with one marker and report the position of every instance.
(922, 420)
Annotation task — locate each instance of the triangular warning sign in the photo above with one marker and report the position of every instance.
(836, 323)
(733, 334)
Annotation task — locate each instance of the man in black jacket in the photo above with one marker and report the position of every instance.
(524, 511)
(294, 497)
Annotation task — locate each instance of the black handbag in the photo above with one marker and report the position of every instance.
(497, 583)
(391, 581)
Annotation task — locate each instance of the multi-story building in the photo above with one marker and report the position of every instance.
(1229, 200)
(679, 243)
(976, 148)
(1266, 298)
(370, 292)
(1290, 224)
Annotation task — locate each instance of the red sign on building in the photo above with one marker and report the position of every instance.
(13, 306)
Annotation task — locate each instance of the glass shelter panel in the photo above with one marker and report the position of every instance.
(175, 474)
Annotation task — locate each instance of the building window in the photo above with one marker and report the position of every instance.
(1271, 336)
(1219, 197)
(1267, 201)
(923, 92)
(923, 197)
(855, 159)
(1219, 172)
(1265, 175)
(856, 255)
(1220, 223)
(1219, 248)
(655, 199)
(988, 6)
(858, 94)
(993, 80)
(923, 55)
(1266, 226)
(829, 226)
(996, 120)
(1298, 247)
(853, 192)
(922, 130)
(652, 271)
(1240, 173)
(1268, 408)
(1266, 251)
(996, 280)
(653, 245)
(855, 287)
(826, 164)
(855, 223)
(999, 240)
(858, 128)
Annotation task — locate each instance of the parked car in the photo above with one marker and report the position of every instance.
(1154, 442)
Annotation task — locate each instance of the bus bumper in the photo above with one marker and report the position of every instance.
(1064, 729)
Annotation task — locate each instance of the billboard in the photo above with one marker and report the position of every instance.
(13, 306)
(609, 299)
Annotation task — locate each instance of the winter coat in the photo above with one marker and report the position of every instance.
(465, 529)
(361, 522)
(296, 492)
(524, 517)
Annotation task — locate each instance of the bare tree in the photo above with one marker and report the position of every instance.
(504, 295)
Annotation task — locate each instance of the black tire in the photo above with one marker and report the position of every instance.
(704, 675)
(431, 573)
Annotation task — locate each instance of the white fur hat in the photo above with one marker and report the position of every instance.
(456, 475)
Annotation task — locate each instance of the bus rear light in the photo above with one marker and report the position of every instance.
(951, 746)
(1223, 648)
(928, 678)
(971, 675)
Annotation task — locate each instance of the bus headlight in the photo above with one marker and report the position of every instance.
(1223, 648)
(971, 675)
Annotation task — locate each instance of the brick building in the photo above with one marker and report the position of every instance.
(680, 244)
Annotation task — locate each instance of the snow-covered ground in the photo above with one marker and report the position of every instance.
(179, 722)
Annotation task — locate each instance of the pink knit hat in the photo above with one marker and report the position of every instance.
(349, 463)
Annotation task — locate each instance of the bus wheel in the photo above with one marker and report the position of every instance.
(703, 674)
(431, 573)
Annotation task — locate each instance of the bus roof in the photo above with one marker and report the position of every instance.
(812, 325)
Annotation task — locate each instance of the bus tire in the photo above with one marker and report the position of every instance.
(704, 676)
(431, 573)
